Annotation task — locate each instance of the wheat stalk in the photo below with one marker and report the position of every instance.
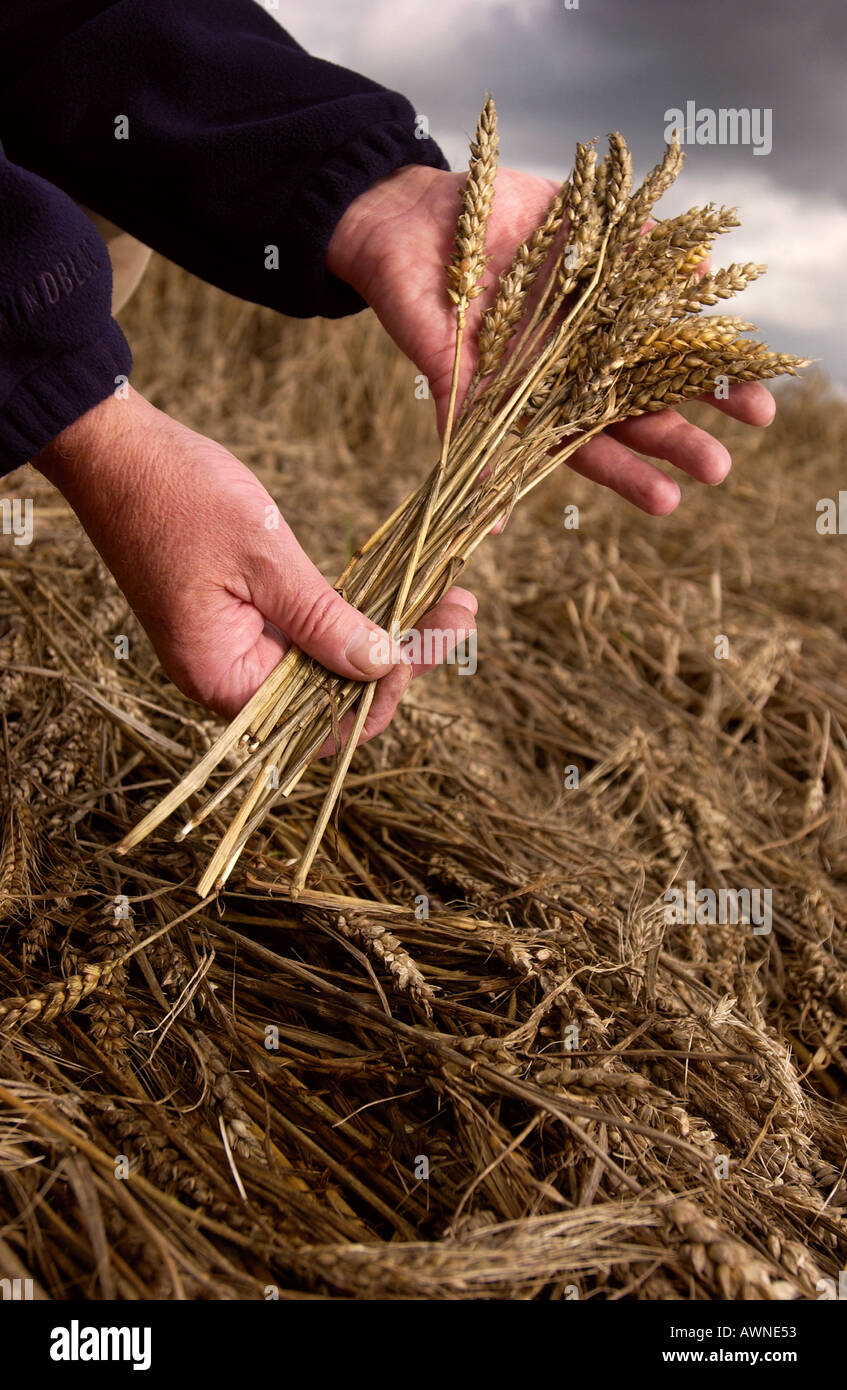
(614, 332)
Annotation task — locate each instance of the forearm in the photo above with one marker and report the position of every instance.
(86, 461)
(122, 467)
(112, 465)
(237, 140)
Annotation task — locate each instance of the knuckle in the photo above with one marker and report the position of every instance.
(376, 725)
(319, 614)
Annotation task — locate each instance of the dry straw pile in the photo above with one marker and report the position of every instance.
(273, 1072)
(614, 333)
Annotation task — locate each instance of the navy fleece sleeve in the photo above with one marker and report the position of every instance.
(236, 138)
(202, 128)
(60, 349)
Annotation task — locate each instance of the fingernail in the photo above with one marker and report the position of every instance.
(369, 650)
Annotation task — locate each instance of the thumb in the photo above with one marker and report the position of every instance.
(291, 593)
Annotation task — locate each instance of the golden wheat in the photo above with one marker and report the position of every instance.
(612, 333)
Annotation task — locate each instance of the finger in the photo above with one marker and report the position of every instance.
(749, 401)
(293, 595)
(438, 634)
(463, 597)
(441, 631)
(606, 461)
(387, 696)
(668, 435)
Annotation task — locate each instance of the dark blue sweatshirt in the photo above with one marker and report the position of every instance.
(199, 126)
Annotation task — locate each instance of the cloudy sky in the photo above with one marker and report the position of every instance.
(560, 74)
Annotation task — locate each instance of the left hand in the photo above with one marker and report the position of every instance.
(184, 527)
(392, 245)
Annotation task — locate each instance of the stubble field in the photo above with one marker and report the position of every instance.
(497, 1069)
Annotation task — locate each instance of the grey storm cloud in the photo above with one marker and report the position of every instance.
(562, 74)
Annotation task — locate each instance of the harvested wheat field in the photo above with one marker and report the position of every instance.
(474, 1059)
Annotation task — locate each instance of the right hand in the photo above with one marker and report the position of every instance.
(392, 244)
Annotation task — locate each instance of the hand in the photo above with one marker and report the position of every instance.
(392, 245)
(208, 564)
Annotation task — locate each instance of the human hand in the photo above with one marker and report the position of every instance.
(392, 245)
(211, 569)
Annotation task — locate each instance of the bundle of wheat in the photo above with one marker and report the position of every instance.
(615, 332)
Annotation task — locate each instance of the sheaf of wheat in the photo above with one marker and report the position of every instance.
(596, 320)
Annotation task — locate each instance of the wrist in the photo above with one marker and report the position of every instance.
(90, 443)
(353, 253)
